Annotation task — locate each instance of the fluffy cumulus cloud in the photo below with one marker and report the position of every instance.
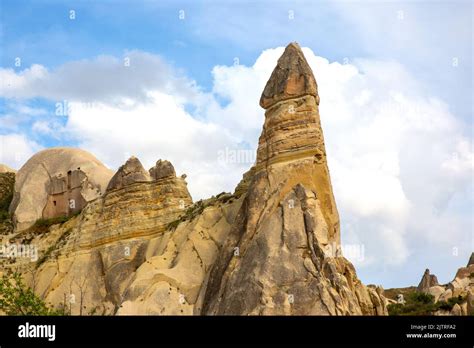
(16, 149)
(400, 165)
(103, 79)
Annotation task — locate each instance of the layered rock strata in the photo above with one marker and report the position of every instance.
(94, 256)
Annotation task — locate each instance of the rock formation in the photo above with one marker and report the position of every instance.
(161, 170)
(132, 171)
(427, 281)
(454, 298)
(282, 255)
(143, 246)
(471, 260)
(55, 182)
(97, 253)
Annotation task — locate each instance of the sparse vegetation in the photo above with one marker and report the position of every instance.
(43, 225)
(60, 242)
(7, 181)
(418, 303)
(18, 299)
(447, 306)
(198, 207)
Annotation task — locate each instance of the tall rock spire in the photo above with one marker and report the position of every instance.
(292, 133)
(282, 255)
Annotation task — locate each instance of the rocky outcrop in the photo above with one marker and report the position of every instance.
(95, 256)
(427, 281)
(49, 173)
(162, 169)
(172, 280)
(282, 254)
(292, 78)
(471, 260)
(460, 290)
(132, 171)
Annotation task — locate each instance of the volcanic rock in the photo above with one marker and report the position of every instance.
(56, 168)
(162, 169)
(131, 172)
(427, 281)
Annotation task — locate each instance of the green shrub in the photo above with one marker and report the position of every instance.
(447, 306)
(18, 299)
(417, 303)
(43, 225)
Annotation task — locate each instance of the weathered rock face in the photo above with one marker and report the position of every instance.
(172, 280)
(132, 171)
(282, 255)
(162, 169)
(51, 179)
(427, 281)
(291, 78)
(97, 253)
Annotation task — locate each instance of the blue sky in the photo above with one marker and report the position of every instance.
(184, 83)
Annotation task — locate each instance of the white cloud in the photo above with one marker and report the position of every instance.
(158, 129)
(16, 149)
(103, 79)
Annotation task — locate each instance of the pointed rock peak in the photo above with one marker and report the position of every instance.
(133, 164)
(162, 169)
(132, 171)
(291, 78)
(428, 280)
(471, 260)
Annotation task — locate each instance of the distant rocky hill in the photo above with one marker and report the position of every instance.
(135, 242)
(454, 298)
